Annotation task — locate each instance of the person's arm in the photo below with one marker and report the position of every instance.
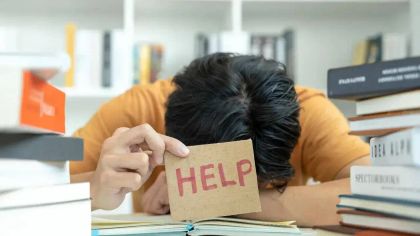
(309, 205)
(126, 161)
(139, 105)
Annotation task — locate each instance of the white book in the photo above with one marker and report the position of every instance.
(236, 42)
(54, 210)
(88, 56)
(395, 102)
(59, 61)
(395, 182)
(15, 173)
(385, 122)
(394, 46)
(120, 79)
(401, 148)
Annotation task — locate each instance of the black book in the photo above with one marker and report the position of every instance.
(376, 79)
(40, 147)
(106, 63)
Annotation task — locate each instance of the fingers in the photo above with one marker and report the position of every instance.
(130, 180)
(138, 162)
(175, 146)
(145, 133)
(155, 200)
(155, 142)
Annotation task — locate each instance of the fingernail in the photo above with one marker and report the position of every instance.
(183, 150)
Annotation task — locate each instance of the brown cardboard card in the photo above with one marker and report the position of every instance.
(214, 180)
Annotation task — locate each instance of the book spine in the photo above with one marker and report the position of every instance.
(70, 49)
(399, 148)
(106, 66)
(382, 78)
(40, 147)
(394, 182)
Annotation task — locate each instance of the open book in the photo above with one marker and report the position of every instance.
(141, 224)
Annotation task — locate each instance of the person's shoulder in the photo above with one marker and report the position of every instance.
(162, 87)
(307, 93)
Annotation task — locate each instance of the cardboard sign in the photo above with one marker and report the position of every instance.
(214, 180)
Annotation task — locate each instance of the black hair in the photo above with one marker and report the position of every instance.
(226, 97)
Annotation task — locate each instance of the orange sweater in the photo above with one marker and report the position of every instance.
(323, 149)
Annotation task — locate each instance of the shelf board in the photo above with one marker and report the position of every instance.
(95, 93)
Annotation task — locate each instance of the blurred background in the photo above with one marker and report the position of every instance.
(117, 43)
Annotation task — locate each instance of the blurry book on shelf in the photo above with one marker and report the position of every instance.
(30, 104)
(147, 58)
(279, 47)
(99, 59)
(381, 47)
(50, 210)
(88, 59)
(164, 225)
(9, 39)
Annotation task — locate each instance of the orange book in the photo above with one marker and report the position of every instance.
(30, 104)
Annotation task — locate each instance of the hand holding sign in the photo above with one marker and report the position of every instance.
(214, 180)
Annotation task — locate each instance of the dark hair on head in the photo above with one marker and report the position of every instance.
(226, 97)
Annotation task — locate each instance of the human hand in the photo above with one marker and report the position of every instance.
(127, 159)
(156, 200)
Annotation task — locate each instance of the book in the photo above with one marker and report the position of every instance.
(359, 53)
(106, 60)
(341, 230)
(63, 209)
(395, 182)
(40, 147)
(88, 59)
(157, 225)
(70, 35)
(120, 79)
(335, 230)
(397, 149)
(378, 221)
(30, 104)
(35, 61)
(376, 79)
(385, 123)
(374, 49)
(386, 206)
(395, 102)
(14, 173)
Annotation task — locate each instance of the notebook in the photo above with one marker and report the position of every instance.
(141, 224)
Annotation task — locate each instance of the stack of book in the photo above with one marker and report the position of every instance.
(385, 195)
(36, 197)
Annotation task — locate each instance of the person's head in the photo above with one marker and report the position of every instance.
(226, 97)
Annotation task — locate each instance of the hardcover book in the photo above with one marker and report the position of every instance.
(378, 221)
(395, 102)
(40, 147)
(386, 206)
(30, 104)
(376, 79)
(395, 182)
(401, 148)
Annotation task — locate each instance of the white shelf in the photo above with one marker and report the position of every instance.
(94, 93)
